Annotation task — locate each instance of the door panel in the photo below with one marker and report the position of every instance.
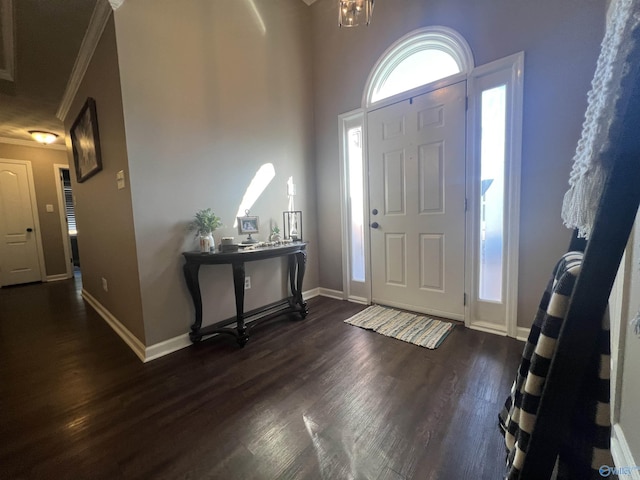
(431, 264)
(19, 262)
(394, 180)
(396, 259)
(431, 178)
(417, 182)
(431, 117)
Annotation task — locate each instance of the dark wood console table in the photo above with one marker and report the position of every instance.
(297, 258)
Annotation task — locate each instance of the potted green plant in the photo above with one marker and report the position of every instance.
(275, 233)
(205, 223)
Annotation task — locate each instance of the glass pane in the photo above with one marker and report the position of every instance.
(493, 125)
(356, 205)
(420, 68)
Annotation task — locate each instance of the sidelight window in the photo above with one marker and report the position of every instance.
(492, 155)
(496, 115)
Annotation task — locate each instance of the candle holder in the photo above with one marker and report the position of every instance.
(292, 222)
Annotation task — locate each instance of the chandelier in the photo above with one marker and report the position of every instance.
(352, 13)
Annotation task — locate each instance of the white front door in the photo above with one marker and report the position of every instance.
(416, 152)
(19, 259)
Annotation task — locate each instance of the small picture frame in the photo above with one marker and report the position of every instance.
(85, 141)
(248, 225)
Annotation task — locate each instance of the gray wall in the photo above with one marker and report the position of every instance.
(561, 43)
(212, 91)
(104, 213)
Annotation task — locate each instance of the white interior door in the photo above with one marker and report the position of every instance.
(416, 152)
(19, 256)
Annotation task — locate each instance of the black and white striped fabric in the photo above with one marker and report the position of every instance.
(586, 447)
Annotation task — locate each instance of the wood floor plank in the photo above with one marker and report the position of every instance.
(313, 399)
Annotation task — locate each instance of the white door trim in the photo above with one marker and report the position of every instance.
(36, 217)
(513, 65)
(419, 249)
(62, 208)
(358, 292)
(620, 309)
(509, 71)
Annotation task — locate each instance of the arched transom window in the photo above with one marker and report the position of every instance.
(419, 58)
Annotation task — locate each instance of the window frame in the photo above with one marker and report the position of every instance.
(436, 37)
(510, 71)
(485, 315)
(354, 291)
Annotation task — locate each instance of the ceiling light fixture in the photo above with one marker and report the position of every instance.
(352, 13)
(44, 138)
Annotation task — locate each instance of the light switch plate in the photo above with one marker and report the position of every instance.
(49, 207)
(120, 179)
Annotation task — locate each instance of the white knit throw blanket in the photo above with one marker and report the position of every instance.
(591, 161)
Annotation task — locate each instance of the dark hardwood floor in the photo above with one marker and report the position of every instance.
(312, 399)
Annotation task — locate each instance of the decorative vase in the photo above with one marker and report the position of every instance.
(207, 244)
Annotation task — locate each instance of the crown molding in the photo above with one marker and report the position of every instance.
(31, 143)
(6, 30)
(116, 4)
(98, 22)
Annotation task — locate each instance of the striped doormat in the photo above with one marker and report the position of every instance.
(405, 326)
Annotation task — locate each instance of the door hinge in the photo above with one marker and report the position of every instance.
(464, 299)
(465, 205)
(466, 103)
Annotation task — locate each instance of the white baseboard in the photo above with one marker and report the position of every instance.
(166, 347)
(173, 344)
(323, 292)
(123, 332)
(487, 327)
(621, 453)
(314, 292)
(361, 300)
(523, 333)
(143, 352)
(327, 292)
(58, 277)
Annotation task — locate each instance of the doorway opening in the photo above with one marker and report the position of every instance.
(71, 217)
(433, 190)
(67, 219)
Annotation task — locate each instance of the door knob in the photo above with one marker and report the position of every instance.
(375, 211)
(374, 225)
(29, 230)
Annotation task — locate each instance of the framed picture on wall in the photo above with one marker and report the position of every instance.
(85, 141)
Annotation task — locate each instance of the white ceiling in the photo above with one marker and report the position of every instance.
(46, 36)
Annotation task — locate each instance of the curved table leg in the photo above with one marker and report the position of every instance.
(191, 277)
(301, 261)
(238, 285)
